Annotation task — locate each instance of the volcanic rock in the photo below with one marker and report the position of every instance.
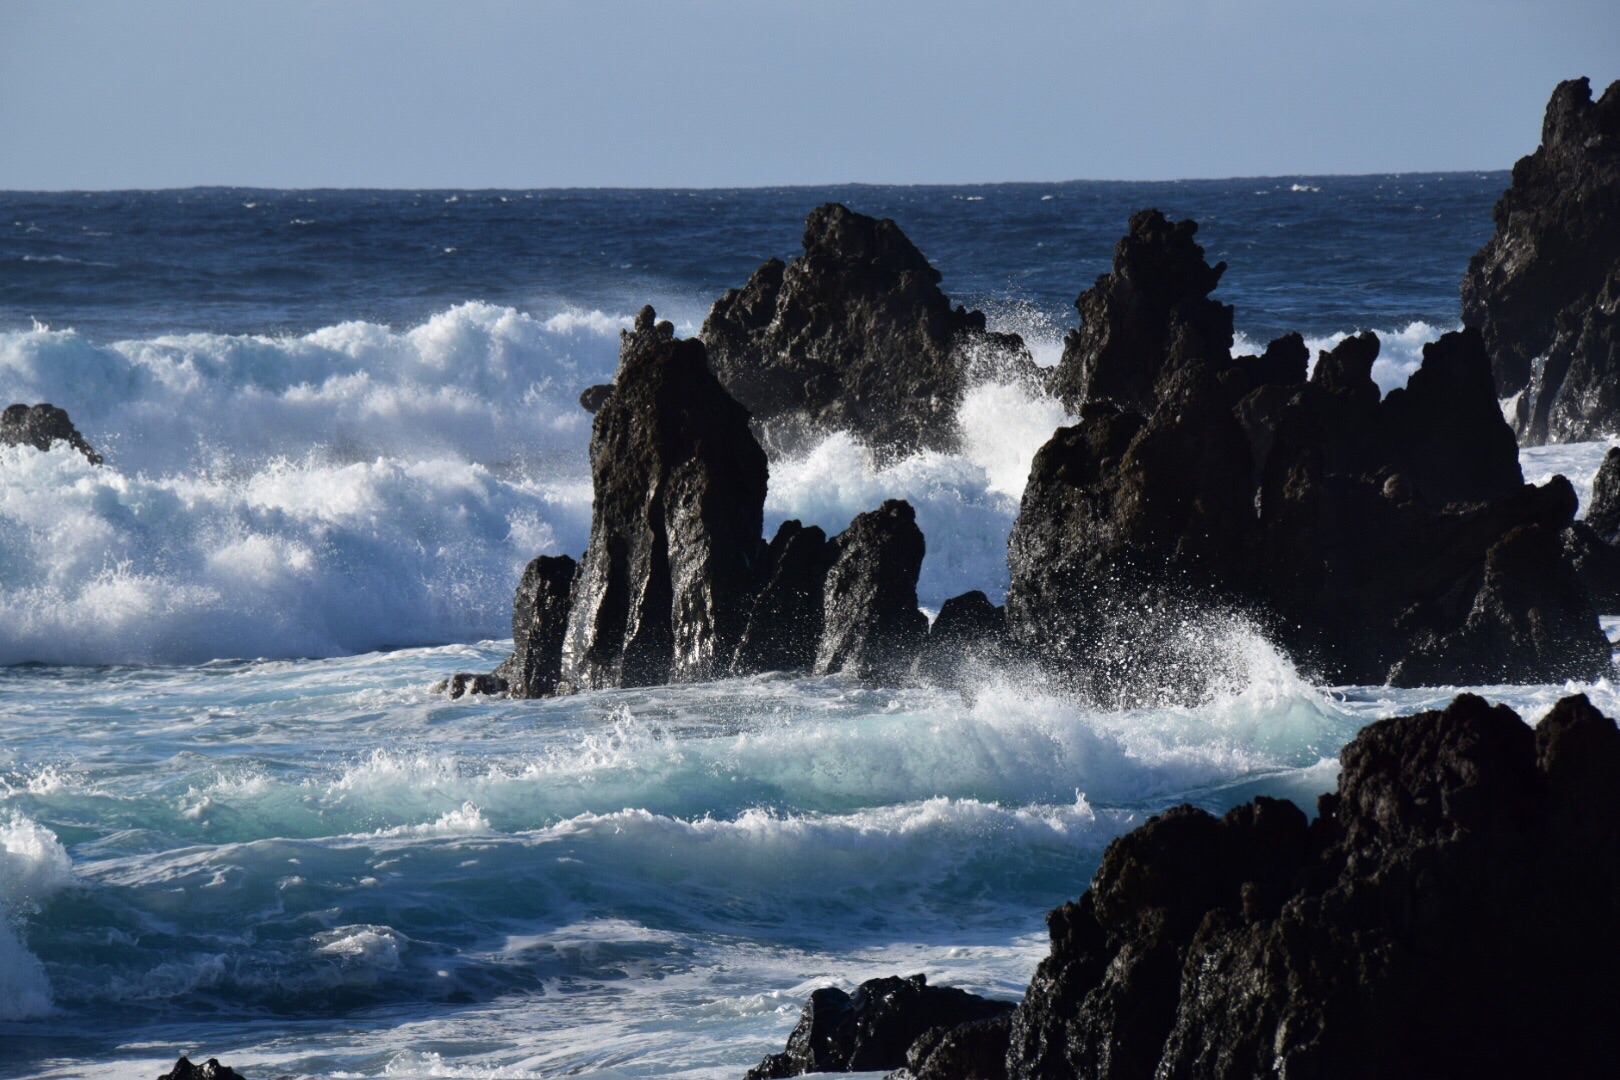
(871, 627)
(463, 683)
(853, 335)
(40, 426)
(1371, 534)
(539, 624)
(873, 1028)
(1545, 290)
(1146, 318)
(968, 628)
(209, 1070)
(1464, 854)
(785, 622)
(675, 554)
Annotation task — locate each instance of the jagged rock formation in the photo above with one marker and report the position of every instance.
(1386, 539)
(40, 426)
(675, 550)
(785, 623)
(539, 624)
(1145, 319)
(871, 627)
(209, 1070)
(873, 1028)
(1464, 855)
(854, 335)
(1545, 290)
(968, 628)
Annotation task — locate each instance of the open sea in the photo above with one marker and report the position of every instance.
(233, 820)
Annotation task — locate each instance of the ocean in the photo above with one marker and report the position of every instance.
(234, 821)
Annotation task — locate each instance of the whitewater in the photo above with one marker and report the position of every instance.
(233, 819)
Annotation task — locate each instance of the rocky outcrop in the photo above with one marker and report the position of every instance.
(539, 624)
(41, 426)
(853, 335)
(785, 623)
(1545, 290)
(874, 1027)
(1387, 538)
(1464, 858)
(1144, 319)
(969, 629)
(675, 553)
(871, 627)
(209, 1070)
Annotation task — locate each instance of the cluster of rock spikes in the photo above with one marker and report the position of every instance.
(1384, 538)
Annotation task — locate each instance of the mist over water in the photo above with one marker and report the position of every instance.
(234, 822)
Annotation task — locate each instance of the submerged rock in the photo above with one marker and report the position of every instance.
(1382, 539)
(1464, 855)
(853, 335)
(874, 1027)
(41, 426)
(675, 554)
(1545, 290)
(463, 683)
(871, 627)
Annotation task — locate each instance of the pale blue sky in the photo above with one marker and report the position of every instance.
(500, 93)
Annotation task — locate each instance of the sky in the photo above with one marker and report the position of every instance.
(98, 94)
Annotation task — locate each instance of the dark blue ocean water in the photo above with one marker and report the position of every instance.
(1316, 254)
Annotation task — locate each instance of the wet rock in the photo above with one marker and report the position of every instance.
(592, 397)
(208, 1070)
(976, 1050)
(1145, 318)
(968, 629)
(1463, 854)
(785, 622)
(539, 624)
(41, 426)
(1603, 513)
(853, 335)
(1545, 290)
(463, 683)
(664, 589)
(873, 1028)
(1371, 534)
(871, 627)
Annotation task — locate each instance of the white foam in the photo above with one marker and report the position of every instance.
(1400, 350)
(33, 868)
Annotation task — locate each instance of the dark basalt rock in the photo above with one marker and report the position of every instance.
(40, 426)
(209, 1070)
(1603, 514)
(1372, 533)
(463, 683)
(664, 590)
(539, 624)
(592, 397)
(871, 625)
(785, 623)
(1146, 318)
(873, 1028)
(976, 1050)
(1545, 290)
(853, 335)
(646, 333)
(968, 628)
(1464, 855)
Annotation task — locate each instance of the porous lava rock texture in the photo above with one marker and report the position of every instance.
(1545, 289)
(1381, 538)
(1448, 914)
(41, 426)
(873, 1028)
(539, 624)
(675, 550)
(853, 335)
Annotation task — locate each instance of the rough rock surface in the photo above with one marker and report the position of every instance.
(785, 623)
(539, 623)
(1545, 290)
(663, 592)
(1464, 859)
(853, 335)
(871, 627)
(1377, 535)
(968, 628)
(874, 1027)
(209, 1070)
(40, 426)
(1145, 318)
